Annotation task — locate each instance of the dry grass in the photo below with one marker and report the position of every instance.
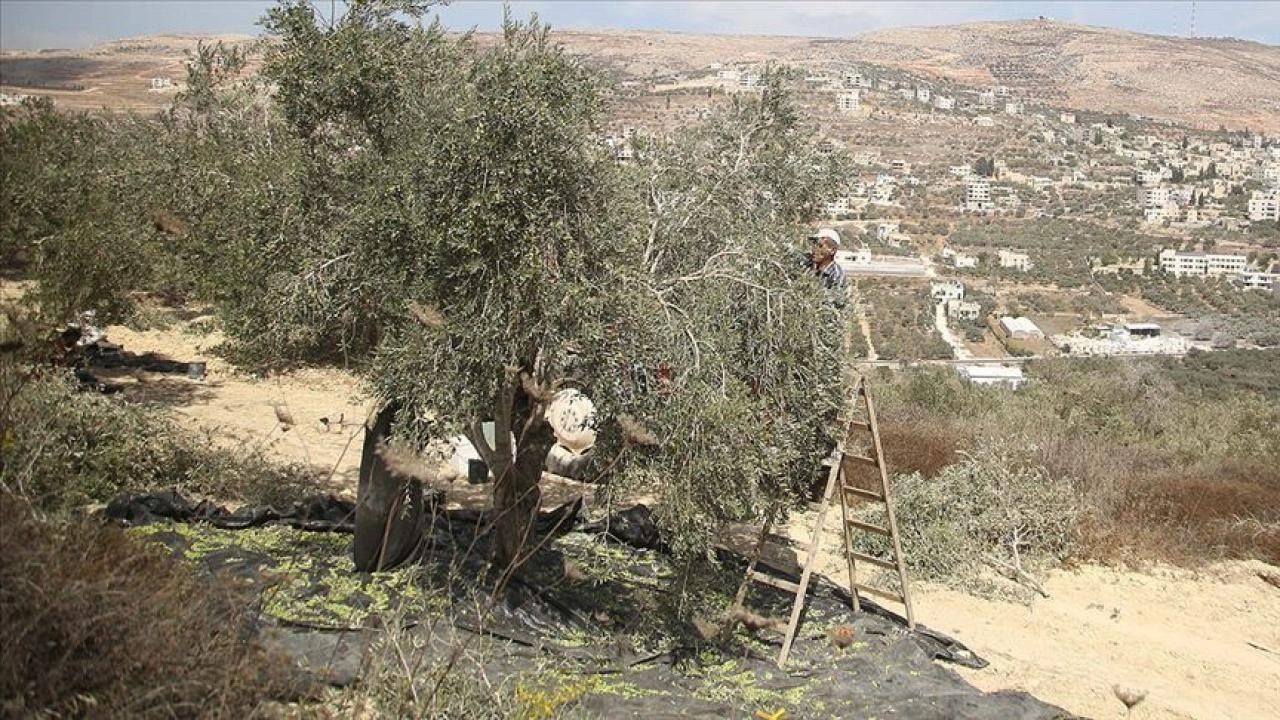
(99, 624)
(1189, 515)
(921, 445)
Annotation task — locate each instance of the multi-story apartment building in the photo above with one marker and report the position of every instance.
(1264, 205)
(1181, 263)
(977, 194)
(848, 101)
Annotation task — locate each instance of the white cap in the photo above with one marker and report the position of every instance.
(829, 234)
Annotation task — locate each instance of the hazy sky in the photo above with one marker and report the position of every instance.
(75, 23)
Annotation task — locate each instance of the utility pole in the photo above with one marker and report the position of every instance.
(1193, 18)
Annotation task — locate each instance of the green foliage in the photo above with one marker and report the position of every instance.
(65, 206)
(1062, 250)
(1166, 458)
(989, 505)
(63, 449)
(902, 322)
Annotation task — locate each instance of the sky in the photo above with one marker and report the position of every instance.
(31, 24)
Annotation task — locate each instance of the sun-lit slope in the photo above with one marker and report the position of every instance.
(1203, 82)
(1200, 82)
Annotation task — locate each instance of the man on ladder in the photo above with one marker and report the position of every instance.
(839, 486)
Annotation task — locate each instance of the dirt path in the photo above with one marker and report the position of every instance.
(1183, 637)
(940, 322)
(239, 409)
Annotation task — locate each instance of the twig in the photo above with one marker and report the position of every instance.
(1018, 574)
(1259, 647)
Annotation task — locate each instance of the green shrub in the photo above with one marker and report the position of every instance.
(63, 449)
(989, 510)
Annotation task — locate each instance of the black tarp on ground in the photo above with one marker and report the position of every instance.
(613, 618)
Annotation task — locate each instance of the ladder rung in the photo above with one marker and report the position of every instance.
(868, 494)
(861, 459)
(881, 593)
(870, 528)
(862, 557)
(860, 424)
(776, 582)
(777, 539)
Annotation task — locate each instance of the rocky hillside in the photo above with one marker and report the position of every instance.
(1202, 82)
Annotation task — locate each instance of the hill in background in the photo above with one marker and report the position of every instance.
(1204, 83)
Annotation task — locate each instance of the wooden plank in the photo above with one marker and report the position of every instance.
(901, 565)
(862, 459)
(879, 593)
(776, 582)
(863, 493)
(833, 481)
(863, 557)
(870, 528)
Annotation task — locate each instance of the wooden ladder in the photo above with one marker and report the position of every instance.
(837, 486)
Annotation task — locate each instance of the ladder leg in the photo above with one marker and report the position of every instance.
(751, 566)
(855, 601)
(833, 479)
(898, 557)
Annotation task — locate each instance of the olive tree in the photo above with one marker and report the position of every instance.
(464, 212)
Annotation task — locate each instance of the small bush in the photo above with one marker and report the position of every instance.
(100, 624)
(988, 506)
(63, 449)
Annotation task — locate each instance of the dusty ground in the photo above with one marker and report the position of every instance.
(1204, 645)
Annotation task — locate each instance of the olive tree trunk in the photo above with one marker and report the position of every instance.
(517, 471)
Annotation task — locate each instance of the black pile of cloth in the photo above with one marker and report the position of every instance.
(599, 594)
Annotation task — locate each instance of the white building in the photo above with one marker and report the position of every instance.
(1013, 107)
(963, 309)
(984, 121)
(1010, 375)
(1014, 259)
(1258, 280)
(848, 101)
(923, 93)
(1156, 204)
(960, 171)
(161, 83)
(944, 102)
(1068, 118)
(838, 206)
(1020, 328)
(1197, 263)
(945, 290)
(1149, 178)
(959, 259)
(977, 194)
(886, 230)
(987, 99)
(1264, 205)
(1152, 196)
